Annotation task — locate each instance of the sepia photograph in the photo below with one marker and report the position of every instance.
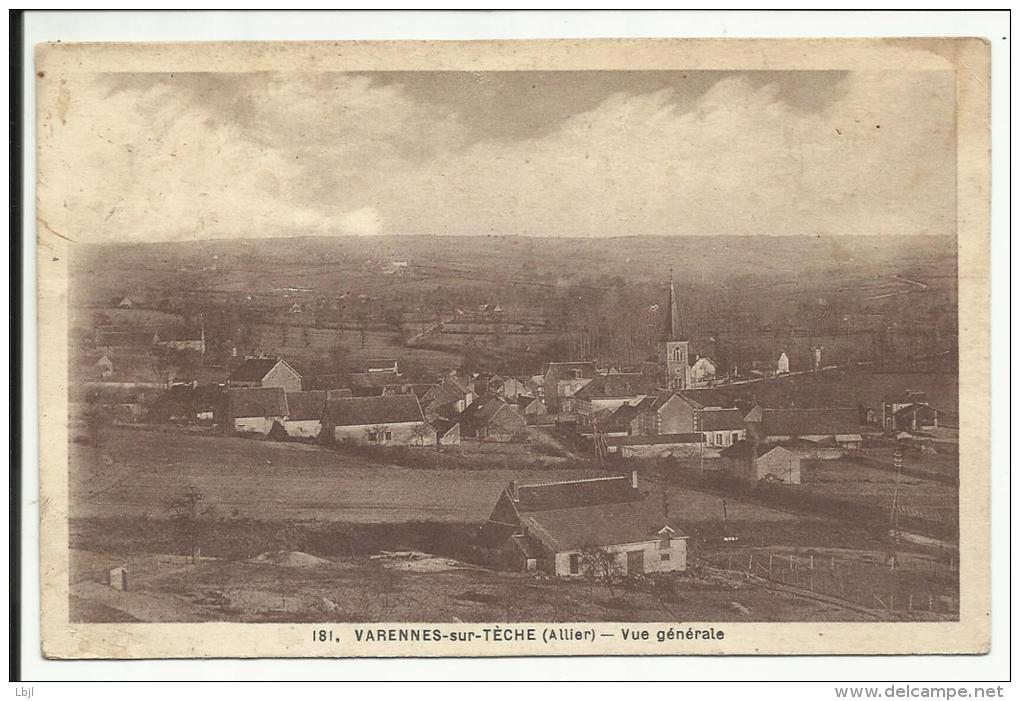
(370, 348)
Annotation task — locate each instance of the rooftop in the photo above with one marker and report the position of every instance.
(366, 411)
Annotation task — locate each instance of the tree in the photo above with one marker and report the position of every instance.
(599, 566)
(187, 511)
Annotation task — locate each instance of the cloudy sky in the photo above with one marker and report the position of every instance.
(167, 156)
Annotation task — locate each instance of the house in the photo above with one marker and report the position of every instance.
(447, 432)
(668, 413)
(448, 397)
(562, 527)
(304, 416)
(531, 408)
(783, 364)
(255, 409)
(720, 427)
(703, 371)
(125, 303)
(754, 461)
(665, 445)
(607, 392)
(909, 411)
(396, 420)
(562, 381)
(265, 372)
(511, 388)
(493, 419)
(779, 425)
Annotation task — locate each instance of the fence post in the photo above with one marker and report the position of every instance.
(833, 563)
(811, 561)
(770, 565)
(910, 602)
(750, 563)
(931, 602)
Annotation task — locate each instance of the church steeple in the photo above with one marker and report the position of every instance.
(674, 349)
(673, 329)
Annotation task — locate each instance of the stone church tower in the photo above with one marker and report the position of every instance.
(674, 348)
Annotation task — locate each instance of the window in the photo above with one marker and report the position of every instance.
(372, 437)
(388, 436)
(735, 437)
(664, 557)
(575, 564)
(577, 374)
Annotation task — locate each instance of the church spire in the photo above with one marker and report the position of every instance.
(673, 329)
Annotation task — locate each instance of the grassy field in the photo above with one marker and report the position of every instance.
(140, 472)
(848, 480)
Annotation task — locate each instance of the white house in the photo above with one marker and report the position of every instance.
(304, 416)
(390, 420)
(255, 409)
(561, 527)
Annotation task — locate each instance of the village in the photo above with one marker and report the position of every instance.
(678, 465)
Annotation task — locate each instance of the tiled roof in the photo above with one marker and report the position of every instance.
(366, 411)
(583, 492)
(306, 406)
(721, 419)
(741, 450)
(443, 426)
(558, 371)
(616, 385)
(595, 526)
(809, 422)
(247, 402)
(253, 369)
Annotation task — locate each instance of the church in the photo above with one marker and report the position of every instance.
(674, 347)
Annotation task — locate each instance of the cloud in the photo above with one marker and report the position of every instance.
(362, 222)
(263, 155)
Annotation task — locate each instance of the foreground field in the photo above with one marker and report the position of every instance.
(142, 472)
(298, 587)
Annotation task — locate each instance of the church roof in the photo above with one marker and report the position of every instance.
(674, 328)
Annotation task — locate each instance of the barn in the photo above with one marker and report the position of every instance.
(566, 527)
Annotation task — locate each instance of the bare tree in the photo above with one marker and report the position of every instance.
(599, 566)
(188, 509)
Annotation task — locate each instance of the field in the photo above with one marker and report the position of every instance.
(849, 480)
(297, 587)
(140, 472)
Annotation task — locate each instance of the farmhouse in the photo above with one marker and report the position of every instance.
(779, 425)
(255, 409)
(265, 372)
(531, 408)
(396, 420)
(565, 528)
(304, 416)
(752, 461)
(562, 381)
(388, 365)
(493, 419)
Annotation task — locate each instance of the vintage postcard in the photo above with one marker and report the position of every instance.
(601, 347)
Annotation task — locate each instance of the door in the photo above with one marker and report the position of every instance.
(636, 562)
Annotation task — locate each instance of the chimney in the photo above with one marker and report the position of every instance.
(515, 494)
(633, 479)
